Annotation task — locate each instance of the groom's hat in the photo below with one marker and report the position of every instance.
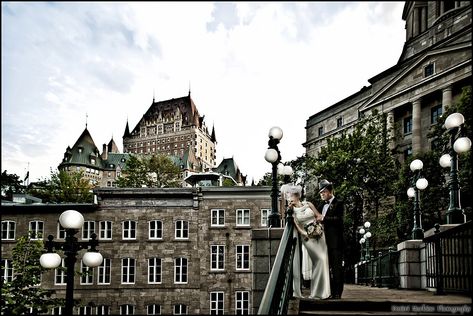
(324, 184)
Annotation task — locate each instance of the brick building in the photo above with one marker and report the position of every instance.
(168, 251)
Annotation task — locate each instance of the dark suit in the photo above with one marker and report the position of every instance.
(333, 227)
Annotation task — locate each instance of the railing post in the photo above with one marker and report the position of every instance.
(438, 262)
(378, 270)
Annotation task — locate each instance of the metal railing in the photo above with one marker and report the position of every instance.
(449, 259)
(381, 271)
(278, 290)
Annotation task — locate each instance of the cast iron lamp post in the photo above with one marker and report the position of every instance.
(418, 183)
(365, 239)
(459, 143)
(273, 156)
(72, 221)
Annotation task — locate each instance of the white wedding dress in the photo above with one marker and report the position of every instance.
(317, 252)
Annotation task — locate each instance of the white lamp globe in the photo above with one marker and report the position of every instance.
(411, 192)
(71, 219)
(416, 165)
(280, 168)
(271, 155)
(368, 235)
(50, 260)
(92, 259)
(287, 170)
(454, 120)
(275, 132)
(422, 183)
(367, 224)
(362, 231)
(362, 241)
(445, 160)
(462, 145)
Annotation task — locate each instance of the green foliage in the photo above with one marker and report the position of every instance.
(11, 184)
(157, 172)
(63, 187)
(228, 183)
(23, 292)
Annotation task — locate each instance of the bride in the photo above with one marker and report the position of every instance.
(304, 214)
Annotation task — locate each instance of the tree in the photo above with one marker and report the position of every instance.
(22, 293)
(11, 184)
(363, 170)
(158, 171)
(63, 187)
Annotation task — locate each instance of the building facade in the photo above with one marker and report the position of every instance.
(175, 128)
(434, 67)
(166, 251)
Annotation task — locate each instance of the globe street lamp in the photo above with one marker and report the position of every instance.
(273, 156)
(362, 243)
(71, 221)
(459, 143)
(418, 183)
(365, 240)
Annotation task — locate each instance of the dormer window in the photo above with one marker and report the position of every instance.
(80, 148)
(112, 165)
(92, 161)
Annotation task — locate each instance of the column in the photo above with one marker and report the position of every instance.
(390, 126)
(416, 127)
(416, 22)
(423, 19)
(446, 98)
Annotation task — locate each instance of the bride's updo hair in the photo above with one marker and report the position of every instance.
(291, 189)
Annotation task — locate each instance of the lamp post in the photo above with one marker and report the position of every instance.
(72, 221)
(362, 243)
(418, 183)
(459, 143)
(273, 156)
(367, 236)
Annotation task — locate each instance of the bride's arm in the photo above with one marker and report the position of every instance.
(317, 214)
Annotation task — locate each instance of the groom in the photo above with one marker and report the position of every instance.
(332, 211)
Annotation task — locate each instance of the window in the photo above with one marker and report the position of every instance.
(408, 125)
(429, 70)
(264, 217)
(60, 274)
(154, 270)
(104, 272)
(103, 310)
(242, 303)
(216, 303)
(128, 271)
(435, 113)
(8, 230)
(61, 232)
(339, 122)
(7, 270)
(155, 230)
(242, 257)
(36, 229)
(243, 217)
(87, 274)
(321, 130)
(105, 230)
(129, 230)
(88, 229)
(217, 257)
(180, 309)
(180, 270)
(182, 229)
(127, 309)
(218, 217)
(154, 309)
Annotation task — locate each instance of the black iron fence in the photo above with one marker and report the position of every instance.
(449, 259)
(381, 271)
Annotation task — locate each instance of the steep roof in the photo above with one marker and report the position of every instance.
(112, 147)
(83, 151)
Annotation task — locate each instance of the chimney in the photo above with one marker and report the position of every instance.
(104, 152)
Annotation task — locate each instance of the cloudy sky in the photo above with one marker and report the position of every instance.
(250, 66)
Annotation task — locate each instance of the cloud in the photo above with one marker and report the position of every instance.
(250, 66)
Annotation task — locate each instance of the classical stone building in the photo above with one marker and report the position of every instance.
(168, 251)
(434, 67)
(175, 128)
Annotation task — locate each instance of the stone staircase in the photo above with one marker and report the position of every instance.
(366, 300)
